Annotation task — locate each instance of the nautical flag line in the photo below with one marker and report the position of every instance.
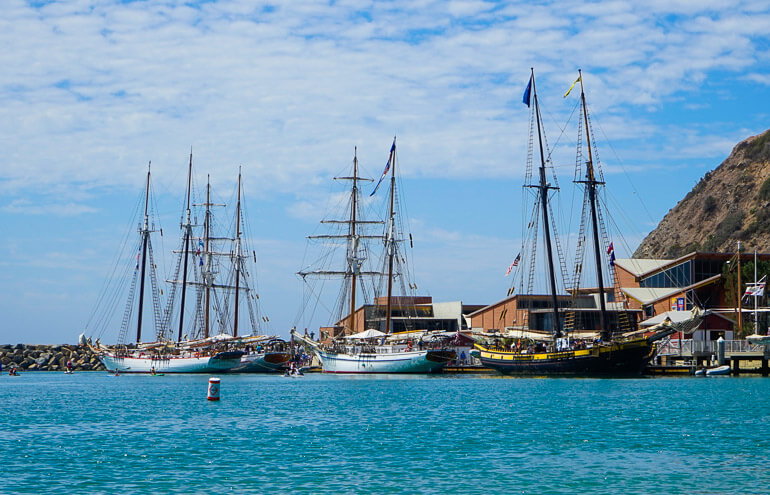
(527, 92)
(573, 85)
(611, 253)
(387, 167)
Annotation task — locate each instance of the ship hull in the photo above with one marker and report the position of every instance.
(429, 361)
(263, 362)
(223, 361)
(626, 358)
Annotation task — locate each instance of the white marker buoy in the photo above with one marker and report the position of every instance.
(213, 389)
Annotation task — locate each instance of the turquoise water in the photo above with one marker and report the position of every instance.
(94, 433)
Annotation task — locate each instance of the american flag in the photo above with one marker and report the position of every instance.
(515, 263)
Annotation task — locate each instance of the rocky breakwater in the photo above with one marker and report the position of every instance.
(48, 357)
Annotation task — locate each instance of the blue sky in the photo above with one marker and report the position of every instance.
(93, 90)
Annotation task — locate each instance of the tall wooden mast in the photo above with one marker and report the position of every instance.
(390, 238)
(544, 187)
(145, 237)
(591, 184)
(237, 255)
(354, 244)
(207, 277)
(186, 248)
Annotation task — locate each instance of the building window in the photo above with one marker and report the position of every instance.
(675, 276)
(649, 311)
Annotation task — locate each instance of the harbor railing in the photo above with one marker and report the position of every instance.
(676, 347)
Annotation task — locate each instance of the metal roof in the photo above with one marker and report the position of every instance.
(639, 267)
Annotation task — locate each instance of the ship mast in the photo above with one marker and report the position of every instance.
(237, 255)
(187, 234)
(591, 184)
(354, 244)
(543, 187)
(390, 240)
(353, 237)
(207, 277)
(145, 237)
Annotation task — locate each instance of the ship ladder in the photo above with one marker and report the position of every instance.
(569, 321)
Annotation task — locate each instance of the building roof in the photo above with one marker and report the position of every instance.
(516, 296)
(649, 295)
(640, 267)
(643, 267)
(676, 317)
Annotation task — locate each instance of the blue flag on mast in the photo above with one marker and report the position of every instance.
(387, 167)
(528, 91)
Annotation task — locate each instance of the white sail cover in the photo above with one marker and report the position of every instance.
(366, 334)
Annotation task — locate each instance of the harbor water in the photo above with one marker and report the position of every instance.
(92, 432)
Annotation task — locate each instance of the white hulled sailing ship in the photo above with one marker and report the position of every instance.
(211, 342)
(350, 348)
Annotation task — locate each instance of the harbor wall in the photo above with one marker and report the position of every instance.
(48, 357)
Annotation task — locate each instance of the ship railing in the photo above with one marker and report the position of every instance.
(689, 346)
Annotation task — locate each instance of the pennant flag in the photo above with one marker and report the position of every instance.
(515, 263)
(755, 290)
(573, 85)
(387, 167)
(611, 253)
(528, 91)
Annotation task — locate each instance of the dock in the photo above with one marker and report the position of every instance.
(683, 358)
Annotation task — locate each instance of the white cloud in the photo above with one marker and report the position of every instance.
(105, 87)
(24, 207)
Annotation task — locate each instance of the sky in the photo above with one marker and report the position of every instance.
(91, 91)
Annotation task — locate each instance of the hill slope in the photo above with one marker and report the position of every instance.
(730, 203)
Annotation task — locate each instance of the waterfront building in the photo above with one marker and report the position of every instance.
(408, 314)
(648, 291)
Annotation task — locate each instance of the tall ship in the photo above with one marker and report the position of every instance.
(210, 289)
(349, 348)
(560, 347)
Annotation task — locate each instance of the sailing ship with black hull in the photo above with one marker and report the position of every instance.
(618, 349)
(358, 350)
(207, 328)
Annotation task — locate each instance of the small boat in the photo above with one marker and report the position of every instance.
(719, 370)
(293, 373)
(759, 339)
(264, 355)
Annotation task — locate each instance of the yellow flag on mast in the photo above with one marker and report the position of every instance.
(573, 85)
